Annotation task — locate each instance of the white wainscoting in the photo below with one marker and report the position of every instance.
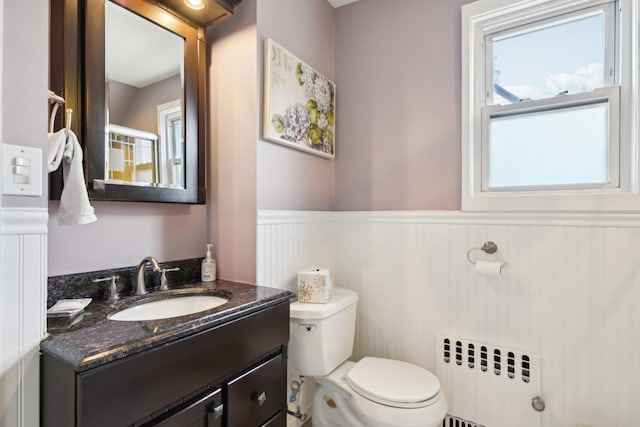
(570, 292)
(289, 241)
(23, 292)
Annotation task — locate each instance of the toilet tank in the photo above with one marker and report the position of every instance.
(321, 335)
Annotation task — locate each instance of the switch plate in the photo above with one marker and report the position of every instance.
(21, 170)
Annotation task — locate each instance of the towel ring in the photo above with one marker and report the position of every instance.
(488, 247)
(55, 98)
(57, 101)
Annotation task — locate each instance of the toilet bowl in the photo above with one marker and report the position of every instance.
(337, 403)
(374, 392)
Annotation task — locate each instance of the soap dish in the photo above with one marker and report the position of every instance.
(68, 307)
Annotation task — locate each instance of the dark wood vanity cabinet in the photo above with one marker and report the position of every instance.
(230, 375)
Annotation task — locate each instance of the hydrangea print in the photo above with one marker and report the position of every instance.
(311, 124)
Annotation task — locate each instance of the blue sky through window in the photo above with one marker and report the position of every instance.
(542, 63)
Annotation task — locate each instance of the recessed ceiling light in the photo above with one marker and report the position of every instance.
(195, 4)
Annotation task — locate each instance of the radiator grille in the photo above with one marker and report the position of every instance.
(517, 364)
(488, 383)
(451, 421)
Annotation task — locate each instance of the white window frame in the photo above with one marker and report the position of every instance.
(485, 17)
(166, 113)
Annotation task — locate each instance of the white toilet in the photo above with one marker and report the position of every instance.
(373, 392)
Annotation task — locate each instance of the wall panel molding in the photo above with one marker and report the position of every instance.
(23, 275)
(24, 221)
(570, 292)
(293, 217)
(454, 217)
(492, 218)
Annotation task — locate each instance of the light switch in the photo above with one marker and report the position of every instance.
(22, 170)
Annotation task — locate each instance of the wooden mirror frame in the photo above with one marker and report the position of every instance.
(77, 72)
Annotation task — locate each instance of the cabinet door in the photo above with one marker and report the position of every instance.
(256, 396)
(203, 412)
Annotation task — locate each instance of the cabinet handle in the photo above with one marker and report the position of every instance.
(259, 397)
(216, 411)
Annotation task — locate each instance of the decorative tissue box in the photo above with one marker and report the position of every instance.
(314, 285)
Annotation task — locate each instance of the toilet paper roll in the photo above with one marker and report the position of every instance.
(314, 285)
(489, 268)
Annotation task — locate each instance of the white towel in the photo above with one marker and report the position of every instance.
(57, 141)
(75, 208)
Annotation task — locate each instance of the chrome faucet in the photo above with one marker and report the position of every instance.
(140, 288)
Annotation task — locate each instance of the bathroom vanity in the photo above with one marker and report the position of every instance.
(221, 367)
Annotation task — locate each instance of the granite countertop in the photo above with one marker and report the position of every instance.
(90, 339)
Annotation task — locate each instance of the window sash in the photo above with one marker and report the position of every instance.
(535, 22)
(483, 17)
(611, 96)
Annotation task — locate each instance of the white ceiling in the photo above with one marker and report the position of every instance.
(338, 3)
(138, 52)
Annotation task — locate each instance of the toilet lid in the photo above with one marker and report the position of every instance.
(393, 383)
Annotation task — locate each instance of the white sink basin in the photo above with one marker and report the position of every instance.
(167, 308)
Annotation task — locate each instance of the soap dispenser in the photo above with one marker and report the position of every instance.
(208, 268)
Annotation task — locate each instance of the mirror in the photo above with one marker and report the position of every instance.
(144, 91)
(133, 72)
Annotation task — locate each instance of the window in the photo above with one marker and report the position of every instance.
(172, 147)
(549, 105)
(567, 143)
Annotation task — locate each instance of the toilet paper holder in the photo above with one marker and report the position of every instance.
(488, 247)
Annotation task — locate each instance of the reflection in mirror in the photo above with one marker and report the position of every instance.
(144, 142)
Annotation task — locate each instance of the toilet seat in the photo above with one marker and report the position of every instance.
(393, 383)
(356, 410)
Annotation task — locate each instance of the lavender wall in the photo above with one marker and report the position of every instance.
(142, 112)
(124, 234)
(248, 173)
(120, 96)
(398, 105)
(136, 107)
(243, 172)
(288, 178)
(231, 143)
(24, 83)
(398, 133)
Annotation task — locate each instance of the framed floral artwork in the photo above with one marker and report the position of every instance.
(299, 103)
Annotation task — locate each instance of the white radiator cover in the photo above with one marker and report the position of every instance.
(488, 384)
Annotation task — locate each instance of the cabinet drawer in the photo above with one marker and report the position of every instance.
(256, 396)
(206, 411)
